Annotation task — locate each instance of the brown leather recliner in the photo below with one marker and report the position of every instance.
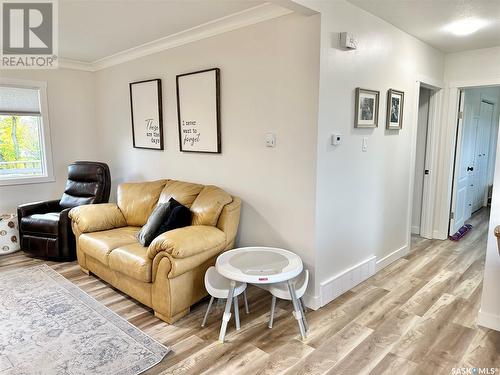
(45, 228)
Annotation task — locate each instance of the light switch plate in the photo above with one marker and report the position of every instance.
(364, 145)
(270, 140)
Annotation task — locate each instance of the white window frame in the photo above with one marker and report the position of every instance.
(46, 146)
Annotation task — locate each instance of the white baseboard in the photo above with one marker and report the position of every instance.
(415, 229)
(395, 255)
(341, 283)
(488, 320)
(312, 302)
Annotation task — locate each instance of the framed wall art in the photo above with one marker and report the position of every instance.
(146, 111)
(198, 111)
(366, 111)
(395, 102)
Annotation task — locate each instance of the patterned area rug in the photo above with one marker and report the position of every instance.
(50, 326)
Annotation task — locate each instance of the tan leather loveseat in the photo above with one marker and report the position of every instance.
(168, 275)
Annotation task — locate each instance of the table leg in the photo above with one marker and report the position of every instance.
(246, 301)
(303, 306)
(236, 313)
(227, 311)
(297, 310)
(271, 317)
(208, 309)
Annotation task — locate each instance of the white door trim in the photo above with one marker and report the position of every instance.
(458, 220)
(428, 197)
(446, 147)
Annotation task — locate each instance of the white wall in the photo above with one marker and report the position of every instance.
(489, 314)
(269, 82)
(72, 126)
(472, 65)
(422, 126)
(363, 198)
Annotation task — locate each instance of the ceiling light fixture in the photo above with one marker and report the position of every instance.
(466, 26)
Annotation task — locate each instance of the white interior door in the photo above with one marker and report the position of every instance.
(463, 193)
(481, 154)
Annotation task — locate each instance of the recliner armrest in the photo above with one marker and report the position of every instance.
(97, 217)
(188, 241)
(38, 208)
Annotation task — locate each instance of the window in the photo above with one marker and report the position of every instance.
(24, 133)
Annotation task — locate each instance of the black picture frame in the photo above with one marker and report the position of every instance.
(217, 105)
(160, 113)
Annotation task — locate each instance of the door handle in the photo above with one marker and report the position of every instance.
(470, 169)
(426, 171)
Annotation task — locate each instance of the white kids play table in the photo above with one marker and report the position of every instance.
(259, 265)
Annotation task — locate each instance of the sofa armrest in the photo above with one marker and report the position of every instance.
(188, 241)
(38, 208)
(97, 217)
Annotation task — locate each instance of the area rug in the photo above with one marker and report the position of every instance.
(50, 326)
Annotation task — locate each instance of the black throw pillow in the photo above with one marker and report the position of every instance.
(165, 217)
(180, 216)
(150, 230)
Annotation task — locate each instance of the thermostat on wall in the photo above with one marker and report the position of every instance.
(348, 41)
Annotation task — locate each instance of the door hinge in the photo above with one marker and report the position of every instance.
(461, 115)
(452, 215)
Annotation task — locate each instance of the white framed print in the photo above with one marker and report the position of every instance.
(146, 112)
(394, 116)
(198, 111)
(366, 111)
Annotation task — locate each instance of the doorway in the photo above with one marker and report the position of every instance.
(475, 152)
(425, 133)
(420, 158)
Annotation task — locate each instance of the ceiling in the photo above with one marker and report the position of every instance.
(426, 20)
(92, 30)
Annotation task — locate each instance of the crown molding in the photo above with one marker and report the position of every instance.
(76, 65)
(222, 25)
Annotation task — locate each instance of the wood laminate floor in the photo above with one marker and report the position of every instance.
(416, 316)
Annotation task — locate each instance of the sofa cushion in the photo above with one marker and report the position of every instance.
(137, 200)
(132, 260)
(41, 223)
(150, 230)
(99, 245)
(208, 205)
(183, 192)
